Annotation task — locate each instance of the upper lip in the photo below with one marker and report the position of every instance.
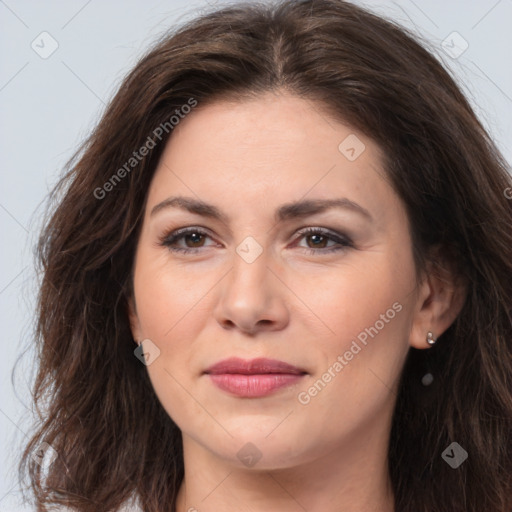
(253, 366)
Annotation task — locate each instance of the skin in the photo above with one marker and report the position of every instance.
(248, 159)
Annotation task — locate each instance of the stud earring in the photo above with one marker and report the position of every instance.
(430, 338)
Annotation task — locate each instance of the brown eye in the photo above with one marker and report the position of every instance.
(193, 239)
(317, 240)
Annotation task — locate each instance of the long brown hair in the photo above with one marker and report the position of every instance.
(96, 405)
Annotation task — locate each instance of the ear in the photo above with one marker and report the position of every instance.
(441, 295)
(134, 320)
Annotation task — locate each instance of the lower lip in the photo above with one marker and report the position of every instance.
(253, 386)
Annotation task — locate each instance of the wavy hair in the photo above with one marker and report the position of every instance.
(95, 404)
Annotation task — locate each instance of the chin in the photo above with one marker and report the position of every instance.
(260, 449)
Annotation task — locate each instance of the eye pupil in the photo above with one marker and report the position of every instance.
(317, 237)
(195, 235)
(193, 240)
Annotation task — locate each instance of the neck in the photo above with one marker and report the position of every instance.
(353, 477)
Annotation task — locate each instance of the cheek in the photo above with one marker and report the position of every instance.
(367, 309)
(357, 295)
(167, 301)
(167, 295)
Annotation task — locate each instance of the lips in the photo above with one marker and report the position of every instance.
(253, 367)
(255, 378)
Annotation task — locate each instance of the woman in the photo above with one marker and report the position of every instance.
(278, 277)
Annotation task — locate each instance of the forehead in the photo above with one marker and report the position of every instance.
(271, 147)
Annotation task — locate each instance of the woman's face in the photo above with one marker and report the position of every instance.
(248, 281)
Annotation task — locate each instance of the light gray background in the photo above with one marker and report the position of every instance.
(47, 106)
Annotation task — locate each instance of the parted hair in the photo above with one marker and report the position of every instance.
(94, 400)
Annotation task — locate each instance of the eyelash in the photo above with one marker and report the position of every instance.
(171, 238)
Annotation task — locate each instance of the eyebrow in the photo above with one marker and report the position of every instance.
(294, 210)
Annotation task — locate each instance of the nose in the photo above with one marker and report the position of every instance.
(253, 296)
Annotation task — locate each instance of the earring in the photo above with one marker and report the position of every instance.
(430, 338)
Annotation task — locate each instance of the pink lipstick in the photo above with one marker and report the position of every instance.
(254, 378)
